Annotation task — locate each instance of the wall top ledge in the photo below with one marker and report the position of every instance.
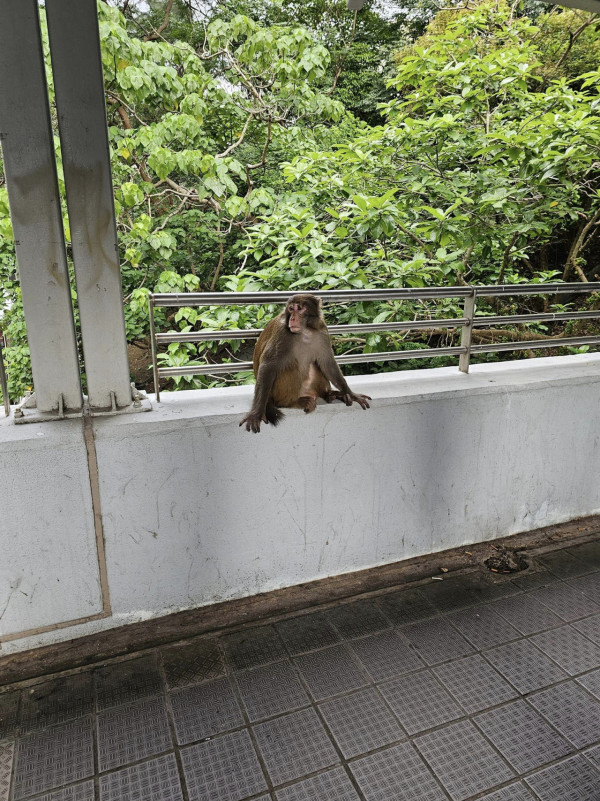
(226, 405)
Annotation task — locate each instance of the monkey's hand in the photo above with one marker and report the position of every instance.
(253, 421)
(362, 400)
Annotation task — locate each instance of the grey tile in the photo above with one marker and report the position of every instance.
(524, 666)
(588, 552)
(307, 633)
(48, 759)
(361, 722)
(460, 592)
(513, 792)
(294, 745)
(526, 614)
(572, 711)
(419, 701)
(569, 649)
(483, 627)
(270, 690)
(132, 732)
(223, 769)
(535, 577)
(331, 672)
(9, 707)
(357, 619)
(588, 585)
(571, 780)
(407, 606)
(590, 626)
(522, 736)
(254, 647)
(386, 655)
(380, 779)
(76, 792)
(126, 682)
(155, 780)
(593, 754)
(333, 785)
(192, 663)
(462, 760)
(57, 701)
(437, 641)
(564, 564)
(6, 763)
(205, 710)
(591, 682)
(566, 601)
(474, 683)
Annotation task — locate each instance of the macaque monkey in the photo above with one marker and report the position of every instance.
(294, 365)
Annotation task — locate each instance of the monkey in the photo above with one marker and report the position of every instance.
(294, 365)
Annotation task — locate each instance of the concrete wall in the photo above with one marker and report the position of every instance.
(197, 510)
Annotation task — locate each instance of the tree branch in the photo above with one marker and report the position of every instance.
(157, 32)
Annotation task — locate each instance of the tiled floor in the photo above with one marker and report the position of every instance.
(472, 687)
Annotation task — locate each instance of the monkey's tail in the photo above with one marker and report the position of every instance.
(273, 414)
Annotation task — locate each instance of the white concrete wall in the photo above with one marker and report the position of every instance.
(197, 510)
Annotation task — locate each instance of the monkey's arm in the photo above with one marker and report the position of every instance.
(265, 378)
(332, 372)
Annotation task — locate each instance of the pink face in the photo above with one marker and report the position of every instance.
(297, 316)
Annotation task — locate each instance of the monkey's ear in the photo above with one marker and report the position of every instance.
(319, 304)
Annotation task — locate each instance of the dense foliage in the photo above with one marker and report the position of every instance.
(352, 152)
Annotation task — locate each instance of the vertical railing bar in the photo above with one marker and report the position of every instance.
(3, 380)
(467, 332)
(153, 346)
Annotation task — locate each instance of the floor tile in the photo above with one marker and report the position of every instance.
(254, 647)
(361, 722)
(205, 710)
(565, 564)
(512, 792)
(571, 780)
(593, 754)
(126, 682)
(57, 701)
(590, 627)
(419, 701)
(6, 763)
(271, 690)
(333, 785)
(357, 619)
(48, 759)
(591, 681)
(76, 792)
(483, 627)
(526, 614)
(380, 780)
(294, 745)
(9, 708)
(474, 683)
(566, 601)
(407, 606)
(331, 672)
(572, 711)
(569, 649)
(132, 732)
(588, 552)
(460, 592)
(462, 760)
(223, 769)
(307, 633)
(588, 585)
(386, 655)
(155, 780)
(437, 641)
(536, 576)
(522, 736)
(192, 663)
(524, 666)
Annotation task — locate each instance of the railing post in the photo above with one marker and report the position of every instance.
(153, 346)
(3, 380)
(467, 332)
(28, 153)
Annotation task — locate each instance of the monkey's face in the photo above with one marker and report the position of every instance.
(302, 311)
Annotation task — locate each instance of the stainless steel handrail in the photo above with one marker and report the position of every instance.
(467, 322)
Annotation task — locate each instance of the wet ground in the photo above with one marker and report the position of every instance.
(476, 686)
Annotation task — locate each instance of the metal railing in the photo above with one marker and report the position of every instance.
(467, 322)
(3, 379)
